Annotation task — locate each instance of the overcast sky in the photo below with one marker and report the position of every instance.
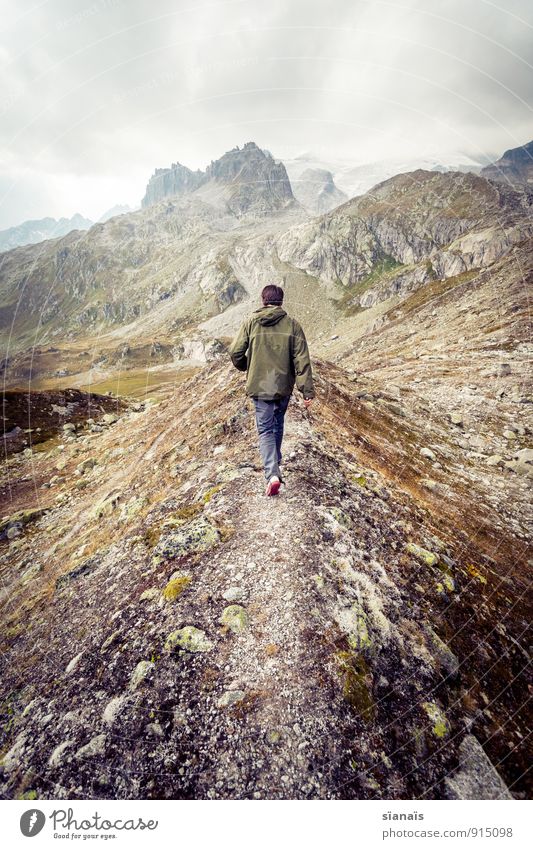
(97, 93)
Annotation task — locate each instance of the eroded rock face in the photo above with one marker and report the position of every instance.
(169, 182)
(415, 227)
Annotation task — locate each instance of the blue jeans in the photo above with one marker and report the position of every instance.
(269, 418)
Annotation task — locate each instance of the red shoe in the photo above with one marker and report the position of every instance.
(273, 485)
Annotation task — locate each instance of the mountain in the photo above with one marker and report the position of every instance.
(514, 167)
(181, 274)
(316, 191)
(32, 232)
(118, 209)
(242, 181)
(409, 230)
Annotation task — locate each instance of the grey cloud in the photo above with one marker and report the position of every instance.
(111, 89)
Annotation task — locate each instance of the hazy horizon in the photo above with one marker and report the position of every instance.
(98, 95)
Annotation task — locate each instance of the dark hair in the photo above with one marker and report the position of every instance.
(272, 294)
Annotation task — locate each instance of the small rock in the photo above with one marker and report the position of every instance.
(235, 618)
(85, 465)
(154, 729)
(113, 709)
(231, 697)
(141, 671)
(177, 584)
(233, 594)
(441, 726)
(428, 453)
(190, 638)
(57, 754)
(422, 554)
(74, 663)
(395, 408)
(96, 746)
(150, 594)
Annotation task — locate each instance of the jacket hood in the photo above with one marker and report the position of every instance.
(270, 315)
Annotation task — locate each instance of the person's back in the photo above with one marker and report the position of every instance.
(271, 347)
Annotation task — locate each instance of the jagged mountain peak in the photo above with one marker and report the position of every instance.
(315, 189)
(255, 182)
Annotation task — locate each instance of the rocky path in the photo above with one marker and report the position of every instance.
(272, 666)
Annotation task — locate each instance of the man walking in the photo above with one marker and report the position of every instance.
(271, 347)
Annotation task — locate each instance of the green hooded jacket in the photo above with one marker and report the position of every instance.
(271, 347)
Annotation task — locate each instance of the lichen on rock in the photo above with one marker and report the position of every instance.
(190, 638)
(235, 618)
(197, 536)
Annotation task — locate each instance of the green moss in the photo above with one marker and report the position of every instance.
(207, 496)
(197, 536)
(189, 638)
(422, 554)
(360, 480)
(235, 618)
(183, 514)
(440, 725)
(385, 268)
(29, 795)
(175, 587)
(475, 573)
(447, 577)
(354, 675)
(449, 583)
(354, 623)
(340, 516)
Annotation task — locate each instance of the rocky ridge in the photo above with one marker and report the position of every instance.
(179, 635)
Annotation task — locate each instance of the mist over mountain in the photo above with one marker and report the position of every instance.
(118, 209)
(31, 232)
(356, 179)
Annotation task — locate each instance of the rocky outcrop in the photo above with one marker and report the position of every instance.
(515, 166)
(409, 230)
(171, 182)
(253, 181)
